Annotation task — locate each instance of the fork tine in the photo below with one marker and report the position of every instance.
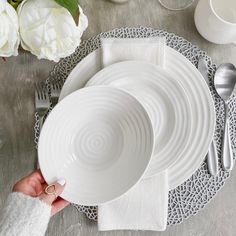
(42, 91)
(46, 93)
(37, 91)
(58, 87)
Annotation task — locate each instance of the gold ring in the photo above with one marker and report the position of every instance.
(51, 190)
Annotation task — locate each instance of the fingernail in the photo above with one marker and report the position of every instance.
(62, 182)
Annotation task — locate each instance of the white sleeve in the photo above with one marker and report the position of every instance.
(24, 216)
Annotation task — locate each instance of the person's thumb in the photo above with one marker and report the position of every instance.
(52, 191)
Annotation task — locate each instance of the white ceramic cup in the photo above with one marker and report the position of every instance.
(216, 20)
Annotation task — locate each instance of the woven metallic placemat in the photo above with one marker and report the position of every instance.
(197, 191)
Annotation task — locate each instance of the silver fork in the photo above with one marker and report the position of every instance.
(55, 92)
(42, 102)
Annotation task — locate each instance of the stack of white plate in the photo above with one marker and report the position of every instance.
(133, 120)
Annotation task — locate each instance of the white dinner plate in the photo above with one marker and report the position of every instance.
(199, 98)
(165, 101)
(100, 139)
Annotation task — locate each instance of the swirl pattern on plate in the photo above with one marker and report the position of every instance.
(198, 95)
(100, 139)
(165, 101)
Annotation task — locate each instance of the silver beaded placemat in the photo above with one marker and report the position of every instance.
(197, 191)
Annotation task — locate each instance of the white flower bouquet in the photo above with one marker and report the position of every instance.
(49, 29)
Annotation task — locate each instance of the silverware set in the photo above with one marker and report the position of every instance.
(42, 100)
(224, 82)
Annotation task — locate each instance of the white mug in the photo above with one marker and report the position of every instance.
(216, 20)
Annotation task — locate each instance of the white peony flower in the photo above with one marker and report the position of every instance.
(9, 30)
(48, 30)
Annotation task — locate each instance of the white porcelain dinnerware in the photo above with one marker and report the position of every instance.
(100, 139)
(199, 97)
(164, 100)
(216, 20)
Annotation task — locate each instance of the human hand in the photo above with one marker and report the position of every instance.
(34, 185)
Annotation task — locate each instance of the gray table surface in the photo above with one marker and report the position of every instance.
(17, 152)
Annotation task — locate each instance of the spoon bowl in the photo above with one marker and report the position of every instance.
(225, 79)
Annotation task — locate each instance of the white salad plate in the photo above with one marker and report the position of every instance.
(197, 94)
(164, 100)
(100, 139)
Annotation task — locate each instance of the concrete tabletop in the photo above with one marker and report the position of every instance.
(18, 76)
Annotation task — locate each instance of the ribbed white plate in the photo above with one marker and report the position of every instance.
(199, 98)
(100, 139)
(165, 101)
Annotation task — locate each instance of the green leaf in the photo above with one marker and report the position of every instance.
(14, 3)
(72, 7)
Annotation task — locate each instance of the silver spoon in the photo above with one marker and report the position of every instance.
(225, 79)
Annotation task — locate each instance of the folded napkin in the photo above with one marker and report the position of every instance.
(139, 49)
(145, 206)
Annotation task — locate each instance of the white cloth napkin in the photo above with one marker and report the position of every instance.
(140, 49)
(145, 206)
